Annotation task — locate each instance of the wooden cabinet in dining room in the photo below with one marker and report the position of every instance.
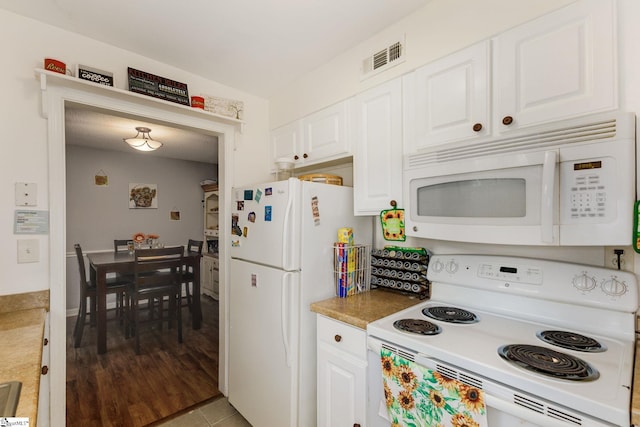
(376, 129)
(313, 139)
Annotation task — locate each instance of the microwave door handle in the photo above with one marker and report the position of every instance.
(547, 200)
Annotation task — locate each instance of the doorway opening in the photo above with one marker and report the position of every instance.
(56, 92)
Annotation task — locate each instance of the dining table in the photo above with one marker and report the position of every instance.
(104, 263)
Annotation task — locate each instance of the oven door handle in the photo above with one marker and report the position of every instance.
(521, 412)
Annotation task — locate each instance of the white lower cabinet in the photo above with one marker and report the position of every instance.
(44, 400)
(342, 374)
(209, 281)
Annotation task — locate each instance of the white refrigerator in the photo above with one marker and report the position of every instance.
(282, 261)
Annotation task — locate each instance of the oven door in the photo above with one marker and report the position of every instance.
(507, 199)
(505, 407)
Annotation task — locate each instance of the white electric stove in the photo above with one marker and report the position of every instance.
(550, 343)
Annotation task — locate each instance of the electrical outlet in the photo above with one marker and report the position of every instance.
(614, 255)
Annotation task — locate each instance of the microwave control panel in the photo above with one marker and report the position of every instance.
(586, 191)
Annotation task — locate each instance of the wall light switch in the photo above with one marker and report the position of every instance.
(28, 250)
(26, 194)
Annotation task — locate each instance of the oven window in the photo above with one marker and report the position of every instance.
(474, 198)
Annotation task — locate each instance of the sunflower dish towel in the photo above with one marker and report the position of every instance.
(417, 396)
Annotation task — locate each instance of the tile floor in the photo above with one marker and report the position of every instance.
(218, 413)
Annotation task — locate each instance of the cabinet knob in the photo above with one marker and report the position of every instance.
(296, 157)
(477, 127)
(46, 341)
(393, 203)
(507, 120)
(44, 370)
(356, 425)
(305, 155)
(338, 338)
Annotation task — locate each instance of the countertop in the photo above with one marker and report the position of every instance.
(360, 309)
(22, 322)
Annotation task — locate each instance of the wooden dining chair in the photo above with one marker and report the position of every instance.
(88, 290)
(165, 282)
(193, 246)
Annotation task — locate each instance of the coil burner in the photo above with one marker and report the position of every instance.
(548, 362)
(417, 326)
(450, 314)
(572, 341)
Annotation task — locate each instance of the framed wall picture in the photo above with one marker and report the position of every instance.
(143, 196)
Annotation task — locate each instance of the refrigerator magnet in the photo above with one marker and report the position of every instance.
(251, 217)
(245, 231)
(267, 213)
(240, 205)
(248, 194)
(258, 195)
(268, 191)
(314, 210)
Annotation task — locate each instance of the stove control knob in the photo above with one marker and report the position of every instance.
(584, 282)
(451, 267)
(437, 266)
(614, 287)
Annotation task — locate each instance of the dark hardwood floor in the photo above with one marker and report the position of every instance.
(121, 389)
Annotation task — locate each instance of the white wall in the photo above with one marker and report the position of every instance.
(96, 215)
(24, 44)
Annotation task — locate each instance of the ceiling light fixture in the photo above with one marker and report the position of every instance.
(144, 142)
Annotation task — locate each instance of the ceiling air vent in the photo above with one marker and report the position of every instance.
(383, 59)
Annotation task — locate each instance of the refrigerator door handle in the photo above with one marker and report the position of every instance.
(284, 317)
(286, 239)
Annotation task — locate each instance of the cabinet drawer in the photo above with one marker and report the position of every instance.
(342, 337)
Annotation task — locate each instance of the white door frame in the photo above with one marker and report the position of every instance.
(55, 93)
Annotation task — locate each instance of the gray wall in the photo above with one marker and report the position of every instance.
(98, 214)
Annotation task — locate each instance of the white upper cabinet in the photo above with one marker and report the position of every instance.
(286, 142)
(558, 66)
(316, 138)
(561, 65)
(448, 100)
(325, 134)
(377, 135)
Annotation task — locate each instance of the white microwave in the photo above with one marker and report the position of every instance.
(569, 184)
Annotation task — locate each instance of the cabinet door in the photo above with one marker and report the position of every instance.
(206, 276)
(325, 134)
(44, 400)
(286, 143)
(449, 99)
(341, 389)
(211, 215)
(560, 65)
(377, 160)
